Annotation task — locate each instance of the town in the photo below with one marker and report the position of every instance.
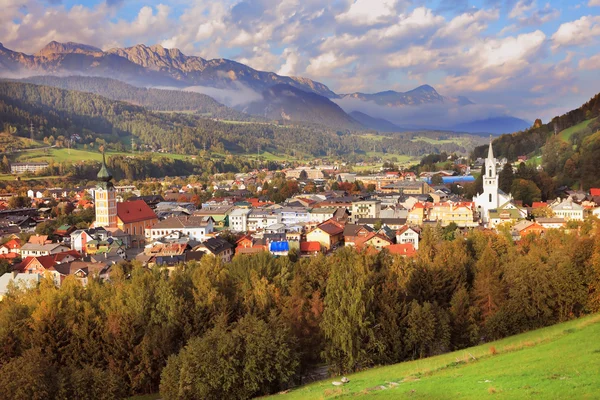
(169, 231)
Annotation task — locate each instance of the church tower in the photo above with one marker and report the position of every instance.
(490, 198)
(105, 199)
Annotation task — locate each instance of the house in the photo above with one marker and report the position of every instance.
(329, 233)
(402, 249)
(569, 210)
(17, 280)
(408, 234)
(416, 214)
(238, 220)
(279, 248)
(551, 223)
(462, 214)
(355, 232)
(249, 245)
(365, 209)
(196, 228)
(310, 248)
(259, 219)
(217, 247)
(392, 223)
(375, 240)
(294, 215)
(33, 167)
(13, 246)
(219, 214)
(33, 250)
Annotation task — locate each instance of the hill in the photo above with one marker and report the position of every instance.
(424, 94)
(532, 140)
(521, 366)
(379, 124)
(152, 99)
(288, 103)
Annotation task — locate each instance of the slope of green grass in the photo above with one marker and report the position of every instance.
(567, 133)
(558, 362)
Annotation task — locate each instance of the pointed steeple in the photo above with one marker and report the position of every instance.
(490, 150)
(104, 174)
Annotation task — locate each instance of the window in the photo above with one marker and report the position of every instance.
(490, 173)
(490, 197)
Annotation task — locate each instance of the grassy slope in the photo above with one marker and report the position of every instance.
(558, 362)
(567, 133)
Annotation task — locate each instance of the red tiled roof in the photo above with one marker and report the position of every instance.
(13, 244)
(539, 204)
(595, 191)
(309, 247)
(331, 227)
(405, 249)
(9, 256)
(134, 211)
(46, 261)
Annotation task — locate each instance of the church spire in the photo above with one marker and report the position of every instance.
(490, 150)
(104, 175)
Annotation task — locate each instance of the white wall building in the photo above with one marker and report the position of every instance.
(238, 220)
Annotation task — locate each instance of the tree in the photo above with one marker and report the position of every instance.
(28, 377)
(426, 332)
(249, 359)
(506, 178)
(347, 321)
(526, 191)
(19, 202)
(437, 180)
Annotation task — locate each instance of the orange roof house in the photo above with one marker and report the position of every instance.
(404, 249)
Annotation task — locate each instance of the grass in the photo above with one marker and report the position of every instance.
(567, 133)
(558, 362)
(457, 140)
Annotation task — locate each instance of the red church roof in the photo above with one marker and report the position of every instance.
(134, 211)
(595, 191)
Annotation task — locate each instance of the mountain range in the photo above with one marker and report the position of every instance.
(273, 96)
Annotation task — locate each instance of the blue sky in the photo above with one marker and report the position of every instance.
(530, 58)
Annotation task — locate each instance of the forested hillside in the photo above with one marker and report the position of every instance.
(151, 99)
(257, 324)
(533, 139)
(59, 113)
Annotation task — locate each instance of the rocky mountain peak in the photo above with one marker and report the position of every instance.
(55, 47)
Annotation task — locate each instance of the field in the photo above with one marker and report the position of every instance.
(567, 133)
(558, 362)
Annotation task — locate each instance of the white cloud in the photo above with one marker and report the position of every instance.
(325, 64)
(591, 63)
(575, 33)
(521, 8)
(368, 12)
(593, 3)
(291, 62)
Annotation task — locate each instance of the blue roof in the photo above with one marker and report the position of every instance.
(279, 246)
(454, 179)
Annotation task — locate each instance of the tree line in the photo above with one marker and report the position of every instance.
(259, 324)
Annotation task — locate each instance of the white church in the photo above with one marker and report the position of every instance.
(492, 197)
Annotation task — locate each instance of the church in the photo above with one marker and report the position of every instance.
(126, 220)
(492, 197)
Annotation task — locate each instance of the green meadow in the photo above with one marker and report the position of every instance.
(558, 362)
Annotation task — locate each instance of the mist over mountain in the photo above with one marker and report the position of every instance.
(260, 92)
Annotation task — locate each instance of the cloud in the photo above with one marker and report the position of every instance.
(430, 116)
(591, 63)
(576, 33)
(326, 63)
(239, 95)
(368, 12)
(593, 3)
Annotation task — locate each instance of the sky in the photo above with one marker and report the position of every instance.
(532, 58)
